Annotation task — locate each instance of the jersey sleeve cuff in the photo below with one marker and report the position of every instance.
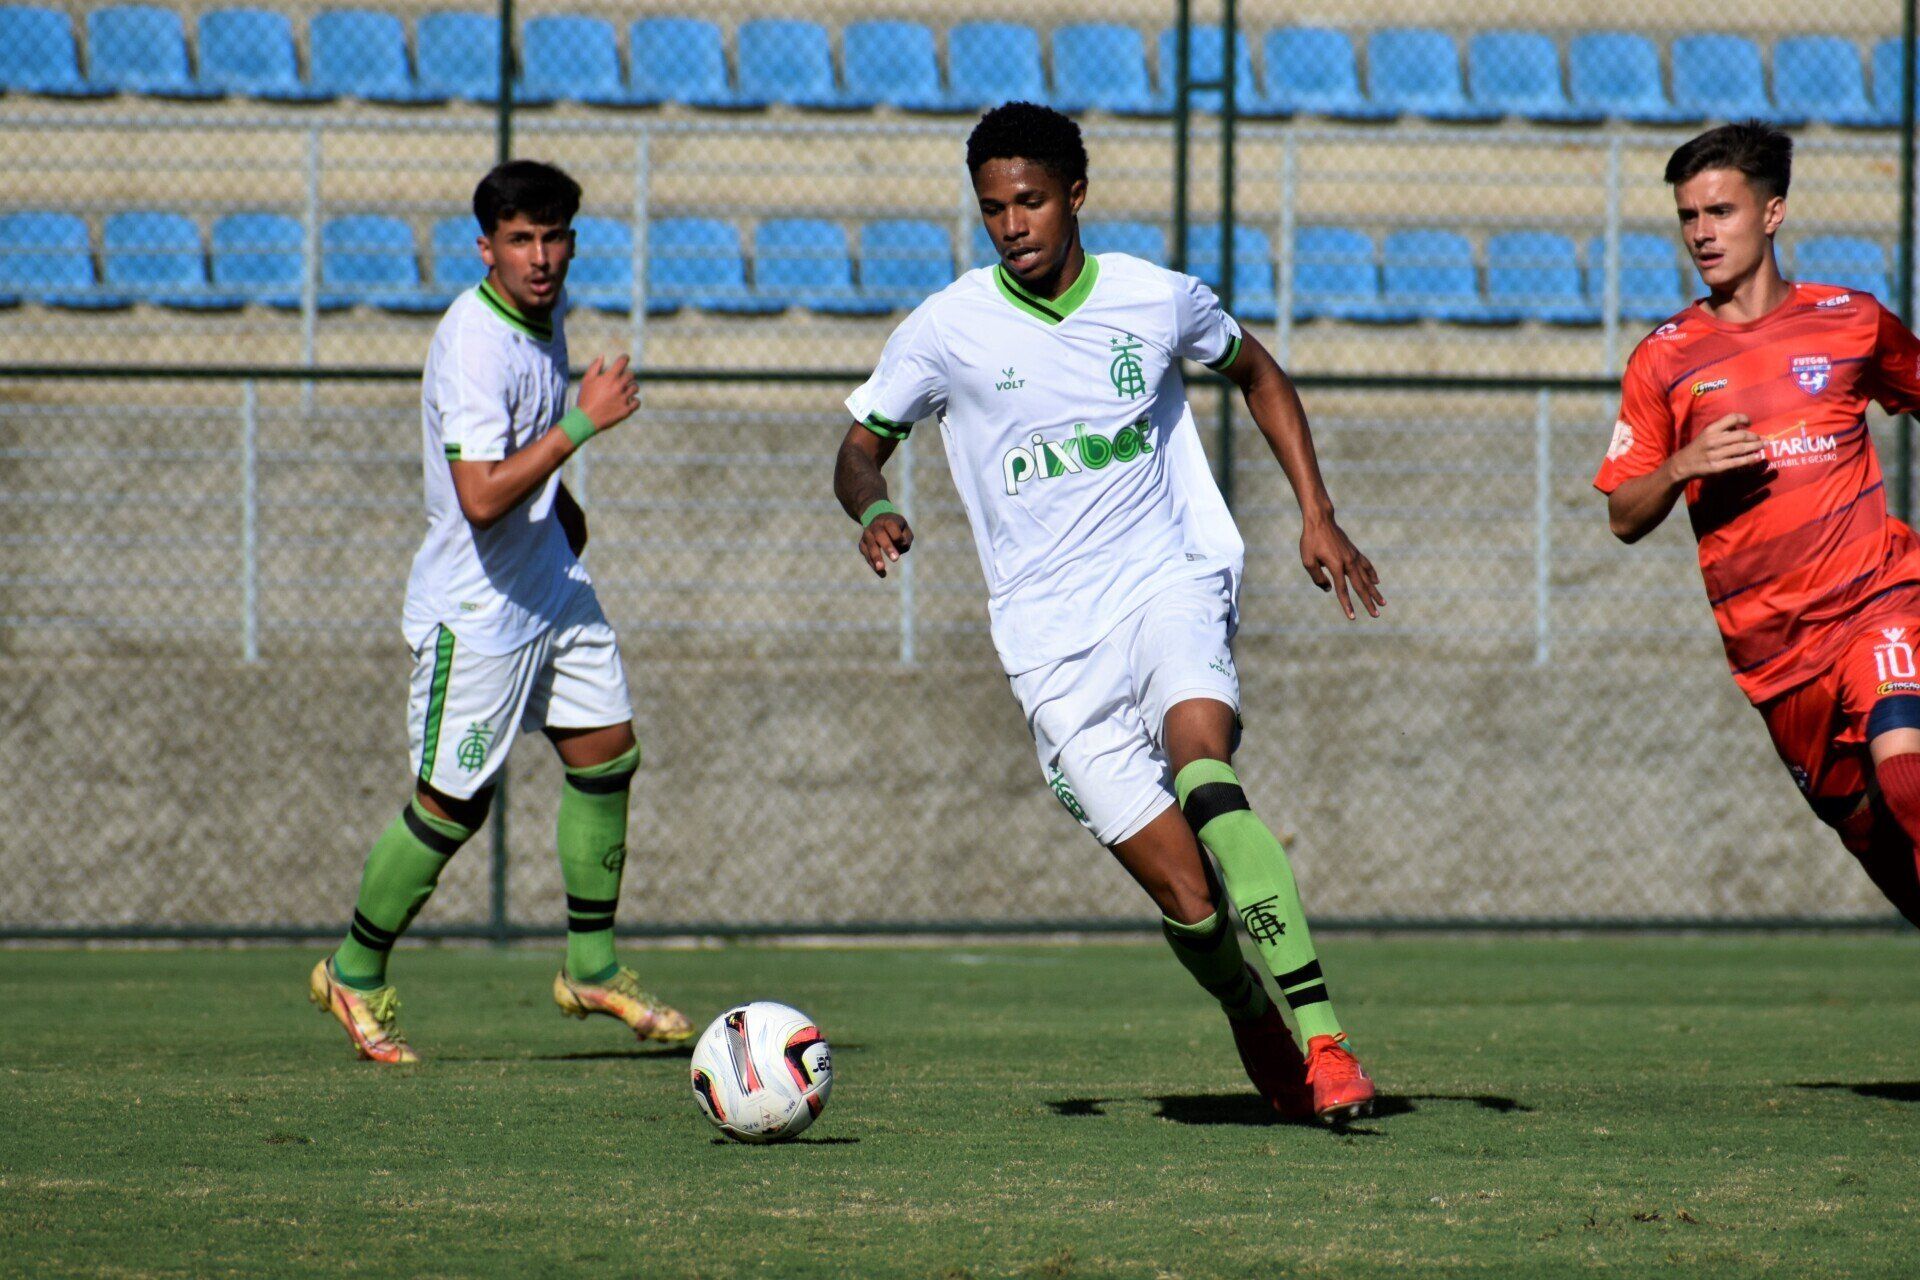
(1231, 354)
(886, 427)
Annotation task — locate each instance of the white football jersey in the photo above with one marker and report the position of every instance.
(1070, 440)
(495, 382)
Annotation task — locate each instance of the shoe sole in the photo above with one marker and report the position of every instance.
(1346, 1111)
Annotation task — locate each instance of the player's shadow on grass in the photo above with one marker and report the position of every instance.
(592, 1055)
(1891, 1090)
(1249, 1109)
(790, 1142)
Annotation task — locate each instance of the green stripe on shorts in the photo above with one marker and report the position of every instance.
(436, 703)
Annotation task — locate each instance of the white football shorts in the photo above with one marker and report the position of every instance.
(1097, 717)
(466, 708)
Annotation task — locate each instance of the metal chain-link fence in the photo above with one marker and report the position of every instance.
(200, 578)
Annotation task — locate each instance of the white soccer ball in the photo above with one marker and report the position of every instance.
(762, 1072)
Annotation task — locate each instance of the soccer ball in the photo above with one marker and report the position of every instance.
(762, 1072)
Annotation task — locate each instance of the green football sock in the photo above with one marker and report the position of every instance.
(1260, 882)
(402, 868)
(1211, 953)
(593, 851)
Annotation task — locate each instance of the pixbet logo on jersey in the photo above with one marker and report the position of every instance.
(1083, 450)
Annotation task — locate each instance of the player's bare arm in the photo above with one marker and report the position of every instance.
(858, 484)
(488, 490)
(1327, 554)
(1637, 507)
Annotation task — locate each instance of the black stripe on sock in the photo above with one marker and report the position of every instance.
(1315, 994)
(589, 924)
(1308, 972)
(438, 841)
(603, 785)
(370, 935)
(593, 906)
(1199, 943)
(1211, 800)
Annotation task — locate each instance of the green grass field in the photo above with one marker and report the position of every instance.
(1686, 1106)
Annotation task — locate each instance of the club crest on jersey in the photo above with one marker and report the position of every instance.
(1812, 373)
(1129, 379)
(1084, 450)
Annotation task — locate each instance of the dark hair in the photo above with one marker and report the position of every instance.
(1024, 131)
(527, 189)
(1761, 152)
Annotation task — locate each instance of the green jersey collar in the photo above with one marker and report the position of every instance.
(538, 330)
(1049, 310)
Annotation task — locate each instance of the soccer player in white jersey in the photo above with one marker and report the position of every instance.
(505, 629)
(1113, 566)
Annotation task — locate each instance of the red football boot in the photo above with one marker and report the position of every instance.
(1272, 1060)
(1342, 1090)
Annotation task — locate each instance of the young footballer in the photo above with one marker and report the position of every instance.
(1751, 403)
(505, 629)
(1113, 566)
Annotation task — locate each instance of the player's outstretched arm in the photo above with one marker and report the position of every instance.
(1328, 555)
(488, 490)
(1638, 506)
(885, 535)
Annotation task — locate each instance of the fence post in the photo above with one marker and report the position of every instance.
(637, 295)
(1542, 527)
(1289, 158)
(907, 634)
(1610, 301)
(497, 891)
(310, 268)
(503, 118)
(250, 519)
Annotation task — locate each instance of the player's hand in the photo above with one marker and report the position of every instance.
(1336, 565)
(609, 393)
(885, 540)
(1723, 445)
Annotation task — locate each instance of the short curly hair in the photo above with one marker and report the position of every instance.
(1026, 131)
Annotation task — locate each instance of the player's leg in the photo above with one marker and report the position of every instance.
(1100, 763)
(1891, 858)
(461, 715)
(582, 704)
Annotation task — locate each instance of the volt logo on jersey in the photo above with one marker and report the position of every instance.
(1008, 382)
(1084, 450)
(1812, 373)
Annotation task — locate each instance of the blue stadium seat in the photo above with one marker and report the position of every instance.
(261, 257)
(1252, 267)
(789, 61)
(1206, 59)
(681, 60)
(1433, 273)
(1142, 240)
(802, 262)
(1848, 261)
(455, 264)
(369, 258)
(1617, 73)
(48, 258)
(158, 258)
(1721, 77)
(696, 262)
(1313, 71)
(1416, 71)
(250, 53)
(1887, 70)
(1102, 66)
(903, 260)
(601, 276)
(459, 55)
(37, 54)
(993, 62)
(573, 58)
(1336, 277)
(1650, 286)
(1536, 276)
(141, 49)
(1517, 73)
(360, 54)
(894, 63)
(1820, 77)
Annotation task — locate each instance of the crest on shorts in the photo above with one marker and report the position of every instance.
(472, 751)
(1812, 373)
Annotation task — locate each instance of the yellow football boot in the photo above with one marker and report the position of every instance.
(372, 1018)
(621, 997)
